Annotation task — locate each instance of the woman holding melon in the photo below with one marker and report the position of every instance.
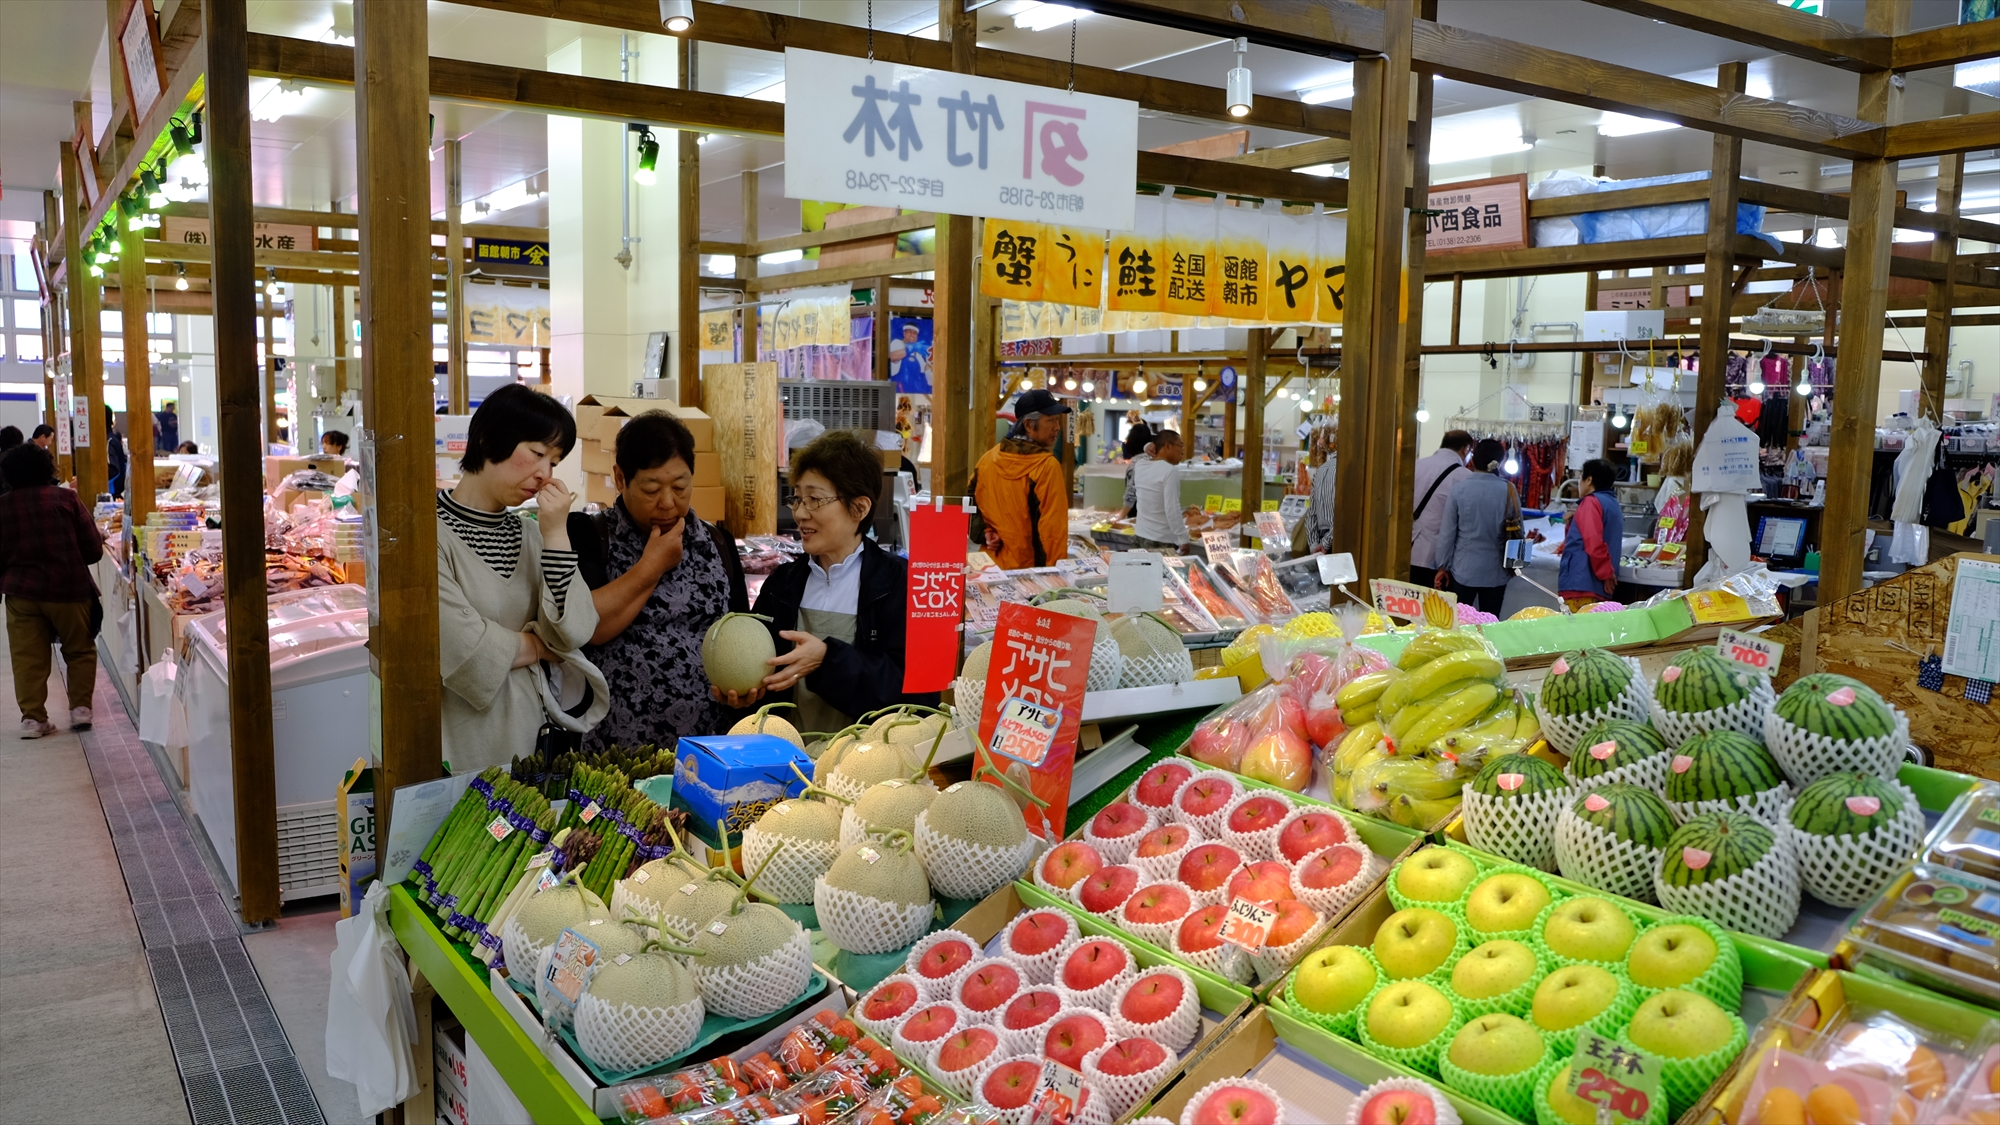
(838, 615)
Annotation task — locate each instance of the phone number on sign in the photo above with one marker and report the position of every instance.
(900, 185)
(1041, 200)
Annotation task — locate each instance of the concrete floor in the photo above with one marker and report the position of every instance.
(292, 961)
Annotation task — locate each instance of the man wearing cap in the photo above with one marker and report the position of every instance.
(1019, 490)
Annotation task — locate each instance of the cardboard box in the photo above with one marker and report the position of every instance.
(278, 468)
(707, 470)
(598, 458)
(354, 803)
(730, 779)
(599, 489)
(709, 503)
(448, 1052)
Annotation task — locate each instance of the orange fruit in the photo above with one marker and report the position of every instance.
(1781, 1106)
(1904, 1112)
(1925, 1076)
(1831, 1104)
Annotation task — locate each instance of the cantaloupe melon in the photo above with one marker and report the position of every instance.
(763, 722)
(894, 804)
(736, 652)
(752, 958)
(651, 979)
(801, 818)
(881, 869)
(978, 813)
(549, 912)
(976, 661)
(1073, 607)
(1153, 652)
(865, 764)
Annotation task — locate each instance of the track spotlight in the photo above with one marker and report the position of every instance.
(649, 157)
(677, 15)
(181, 281)
(1238, 85)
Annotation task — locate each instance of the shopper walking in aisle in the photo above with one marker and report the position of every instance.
(1315, 531)
(1132, 481)
(47, 544)
(1436, 475)
(1472, 537)
(659, 577)
(1157, 479)
(839, 614)
(1018, 486)
(167, 427)
(1593, 540)
(114, 451)
(509, 596)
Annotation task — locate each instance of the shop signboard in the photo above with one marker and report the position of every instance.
(510, 257)
(937, 596)
(139, 57)
(1478, 215)
(62, 412)
(957, 144)
(1040, 658)
(267, 236)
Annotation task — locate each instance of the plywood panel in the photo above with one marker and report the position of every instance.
(742, 399)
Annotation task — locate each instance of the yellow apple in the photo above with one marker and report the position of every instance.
(1670, 956)
(1503, 902)
(1492, 969)
(1680, 1025)
(1408, 1013)
(1497, 1045)
(1413, 942)
(1588, 928)
(1572, 996)
(1435, 875)
(1332, 980)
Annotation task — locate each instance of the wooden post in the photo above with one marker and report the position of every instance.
(1407, 429)
(879, 315)
(391, 104)
(75, 273)
(1588, 366)
(986, 392)
(952, 417)
(688, 147)
(1864, 291)
(1372, 414)
(746, 266)
(267, 355)
(1938, 302)
(1250, 392)
(1717, 288)
(341, 378)
(1229, 414)
(459, 381)
(138, 377)
(240, 443)
(88, 463)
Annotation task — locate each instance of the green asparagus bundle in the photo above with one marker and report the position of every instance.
(452, 835)
(590, 786)
(555, 778)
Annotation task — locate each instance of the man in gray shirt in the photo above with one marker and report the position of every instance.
(1157, 480)
(1470, 539)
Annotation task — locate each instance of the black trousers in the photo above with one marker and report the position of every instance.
(1425, 576)
(1488, 598)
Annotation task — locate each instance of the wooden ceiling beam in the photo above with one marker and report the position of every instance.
(184, 54)
(1773, 27)
(1238, 179)
(1326, 150)
(1827, 205)
(1941, 135)
(1947, 46)
(344, 220)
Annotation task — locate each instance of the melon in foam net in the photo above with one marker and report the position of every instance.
(973, 839)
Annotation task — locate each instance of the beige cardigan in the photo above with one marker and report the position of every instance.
(492, 710)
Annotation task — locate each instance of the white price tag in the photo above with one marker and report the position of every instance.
(1218, 544)
(1137, 582)
(1404, 599)
(1337, 570)
(1751, 651)
(1025, 731)
(1270, 525)
(1057, 1092)
(1248, 924)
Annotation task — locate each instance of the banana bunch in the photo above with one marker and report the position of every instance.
(1358, 698)
(1360, 746)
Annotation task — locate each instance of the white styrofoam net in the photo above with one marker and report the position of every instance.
(1120, 1092)
(1806, 757)
(1447, 1114)
(852, 829)
(1520, 828)
(1849, 870)
(1069, 1011)
(1119, 849)
(1098, 997)
(1167, 865)
(1767, 805)
(1161, 666)
(960, 869)
(1027, 1040)
(1158, 933)
(1300, 811)
(1216, 896)
(1271, 962)
(1067, 894)
(629, 1037)
(862, 923)
(1164, 813)
(1329, 900)
(882, 1029)
(1107, 661)
(1224, 960)
(1565, 731)
(1176, 1031)
(1209, 824)
(1092, 1107)
(910, 1048)
(790, 877)
(963, 1083)
(1039, 968)
(1762, 899)
(515, 946)
(1192, 1114)
(1021, 1114)
(1256, 845)
(988, 1015)
(970, 697)
(757, 988)
(945, 987)
(1745, 716)
(1594, 857)
(1649, 772)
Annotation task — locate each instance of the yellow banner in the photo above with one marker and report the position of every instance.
(1073, 267)
(1136, 283)
(1241, 234)
(1187, 249)
(1012, 264)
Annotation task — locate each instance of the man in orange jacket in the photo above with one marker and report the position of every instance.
(1018, 487)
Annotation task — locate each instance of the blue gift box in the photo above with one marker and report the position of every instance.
(728, 780)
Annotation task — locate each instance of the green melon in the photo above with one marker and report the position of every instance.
(1517, 775)
(1838, 707)
(1580, 682)
(1700, 679)
(1846, 804)
(886, 871)
(1153, 652)
(1713, 846)
(1073, 607)
(1718, 765)
(736, 650)
(646, 980)
(1629, 812)
(801, 818)
(549, 912)
(1614, 743)
(977, 813)
(868, 763)
(894, 804)
(976, 661)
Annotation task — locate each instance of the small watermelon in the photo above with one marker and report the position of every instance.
(1517, 775)
(1700, 679)
(1629, 812)
(1614, 743)
(1579, 682)
(1718, 765)
(1713, 846)
(1846, 804)
(1838, 707)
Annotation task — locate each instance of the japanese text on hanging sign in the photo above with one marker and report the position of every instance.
(1025, 731)
(936, 596)
(1404, 599)
(1477, 215)
(1041, 658)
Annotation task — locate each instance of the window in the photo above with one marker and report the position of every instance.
(160, 324)
(24, 274)
(27, 315)
(110, 323)
(28, 349)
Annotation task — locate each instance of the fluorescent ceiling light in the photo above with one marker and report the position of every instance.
(775, 92)
(517, 194)
(782, 257)
(280, 98)
(1453, 148)
(1624, 125)
(1041, 17)
(1337, 88)
(1982, 77)
(1316, 170)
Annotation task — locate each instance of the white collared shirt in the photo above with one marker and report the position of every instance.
(837, 590)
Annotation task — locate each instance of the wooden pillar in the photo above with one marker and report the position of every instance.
(459, 380)
(1938, 302)
(75, 272)
(391, 104)
(1864, 290)
(986, 393)
(240, 443)
(1250, 392)
(266, 358)
(1717, 288)
(1372, 413)
(1229, 415)
(688, 149)
(1588, 366)
(88, 463)
(953, 418)
(746, 267)
(341, 379)
(1407, 428)
(138, 377)
(879, 318)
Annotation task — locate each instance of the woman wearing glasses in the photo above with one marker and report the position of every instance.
(839, 612)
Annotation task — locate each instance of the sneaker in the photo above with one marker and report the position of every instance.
(79, 718)
(35, 728)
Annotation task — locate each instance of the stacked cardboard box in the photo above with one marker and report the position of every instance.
(600, 417)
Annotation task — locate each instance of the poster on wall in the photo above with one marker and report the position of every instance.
(910, 354)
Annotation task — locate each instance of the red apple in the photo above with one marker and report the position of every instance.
(1011, 1084)
(1205, 795)
(1152, 998)
(1165, 840)
(1294, 919)
(1202, 930)
(966, 1049)
(1074, 1036)
(1219, 743)
(1031, 1009)
(1254, 814)
(1068, 864)
(1037, 933)
(1292, 714)
(1105, 890)
(1209, 866)
(1263, 883)
(945, 958)
(890, 999)
(1398, 1107)
(1232, 1104)
(1131, 1056)
(1323, 726)
(931, 1024)
(1092, 963)
(1161, 902)
(1309, 831)
(989, 985)
(1157, 788)
(1330, 868)
(1119, 820)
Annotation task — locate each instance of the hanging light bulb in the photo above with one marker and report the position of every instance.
(1088, 386)
(1200, 384)
(1423, 412)
(181, 282)
(1805, 382)
(1512, 465)
(1238, 83)
(1756, 388)
(677, 15)
(1027, 384)
(1069, 384)
(1139, 385)
(649, 158)
(1619, 420)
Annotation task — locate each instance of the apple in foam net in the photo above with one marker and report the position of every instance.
(1118, 820)
(1398, 1107)
(1572, 996)
(1413, 942)
(1237, 1105)
(1209, 866)
(1310, 832)
(1504, 902)
(1680, 1025)
(1161, 902)
(1038, 933)
(1031, 1009)
(1093, 963)
(1407, 1013)
(1332, 867)
(989, 986)
(1295, 919)
(1165, 840)
(1588, 928)
(1264, 882)
(967, 1049)
(931, 1024)
(1205, 795)
(1156, 789)
(1074, 1036)
(1202, 930)
(1497, 1045)
(1011, 1084)
(1493, 969)
(1107, 889)
(1131, 1056)
(1152, 998)
(945, 958)
(890, 999)
(1257, 813)
(1070, 863)
(1670, 956)
(1333, 979)
(1434, 875)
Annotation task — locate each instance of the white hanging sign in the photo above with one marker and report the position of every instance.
(958, 144)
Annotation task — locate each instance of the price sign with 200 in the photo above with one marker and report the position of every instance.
(899, 185)
(1041, 200)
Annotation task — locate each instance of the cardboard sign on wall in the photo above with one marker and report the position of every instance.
(742, 400)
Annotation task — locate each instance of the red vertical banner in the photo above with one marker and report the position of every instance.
(936, 599)
(1039, 658)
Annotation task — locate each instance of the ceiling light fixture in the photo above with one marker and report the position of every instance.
(1041, 17)
(1618, 420)
(279, 99)
(649, 158)
(1139, 386)
(1326, 169)
(1423, 413)
(181, 282)
(782, 257)
(1069, 384)
(1756, 388)
(1238, 83)
(1805, 381)
(1200, 385)
(1625, 125)
(1512, 465)
(1332, 90)
(677, 15)
(1088, 386)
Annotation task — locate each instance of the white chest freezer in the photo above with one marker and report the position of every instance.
(319, 726)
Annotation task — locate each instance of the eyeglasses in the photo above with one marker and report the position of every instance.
(809, 504)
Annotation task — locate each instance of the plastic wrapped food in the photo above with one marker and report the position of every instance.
(1203, 588)
(1938, 927)
(1967, 836)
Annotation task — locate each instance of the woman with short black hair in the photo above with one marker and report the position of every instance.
(508, 595)
(839, 614)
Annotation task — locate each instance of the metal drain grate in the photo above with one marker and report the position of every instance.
(236, 1066)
